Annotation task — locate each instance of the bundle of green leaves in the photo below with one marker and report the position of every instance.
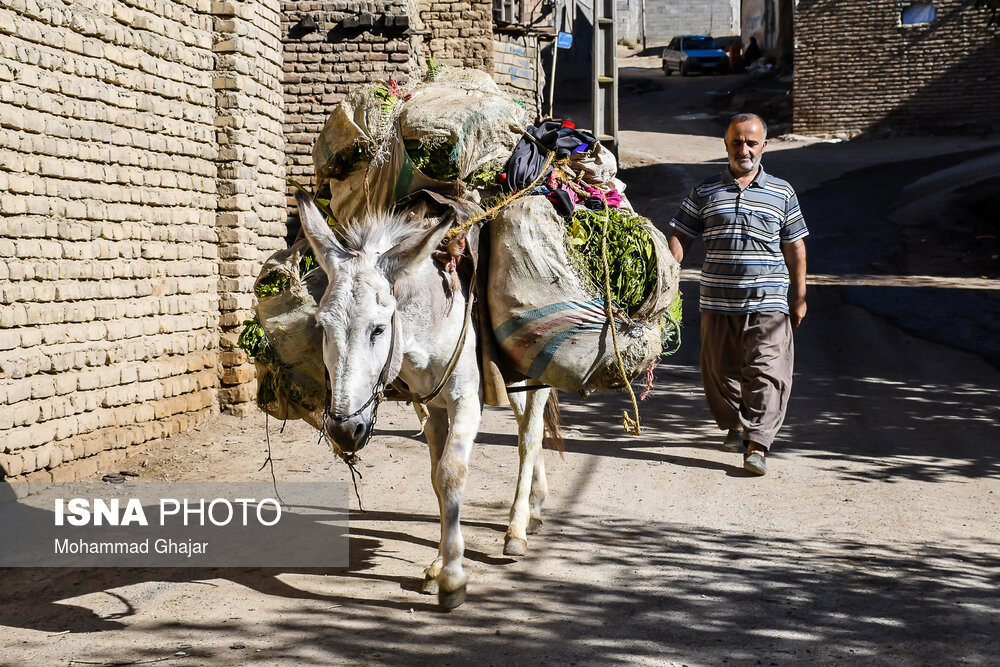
(672, 326)
(438, 163)
(487, 175)
(435, 161)
(273, 383)
(388, 97)
(277, 281)
(273, 283)
(631, 257)
(254, 341)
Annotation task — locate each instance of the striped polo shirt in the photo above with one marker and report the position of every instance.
(743, 231)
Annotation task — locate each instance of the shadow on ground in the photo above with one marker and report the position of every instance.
(659, 592)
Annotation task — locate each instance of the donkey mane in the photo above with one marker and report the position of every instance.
(369, 238)
(376, 232)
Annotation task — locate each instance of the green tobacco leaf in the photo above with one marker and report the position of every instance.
(273, 283)
(631, 257)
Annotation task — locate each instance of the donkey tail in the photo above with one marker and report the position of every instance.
(552, 419)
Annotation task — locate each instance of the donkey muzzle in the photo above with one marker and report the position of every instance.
(351, 434)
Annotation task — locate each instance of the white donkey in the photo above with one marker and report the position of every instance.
(385, 314)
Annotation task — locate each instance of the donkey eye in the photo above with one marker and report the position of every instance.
(377, 331)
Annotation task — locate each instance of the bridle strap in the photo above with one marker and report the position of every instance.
(387, 375)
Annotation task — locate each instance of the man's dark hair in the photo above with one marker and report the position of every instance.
(744, 117)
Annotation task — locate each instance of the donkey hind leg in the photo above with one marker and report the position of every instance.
(531, 488)
(436, 430)
(539, 490)
(451, 473)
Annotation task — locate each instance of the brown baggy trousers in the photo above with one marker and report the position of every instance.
(746, 369)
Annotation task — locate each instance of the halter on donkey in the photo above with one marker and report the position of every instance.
(385, 314)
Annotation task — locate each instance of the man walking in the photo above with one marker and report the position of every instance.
(753, 290)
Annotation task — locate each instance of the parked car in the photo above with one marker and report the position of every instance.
(694, 53)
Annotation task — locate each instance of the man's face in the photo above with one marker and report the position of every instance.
(745, 144)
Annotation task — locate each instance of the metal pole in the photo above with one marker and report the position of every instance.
(552, 82)
(644, 27)
(557, 18)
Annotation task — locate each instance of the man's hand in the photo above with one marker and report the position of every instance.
(797, 310)
(795, 260)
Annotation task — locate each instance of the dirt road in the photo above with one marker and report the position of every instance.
(874, 539)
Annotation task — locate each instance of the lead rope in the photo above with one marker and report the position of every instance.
(351, 458)
(274, 480)
(378, 393)
(630, 425)
(354, 471)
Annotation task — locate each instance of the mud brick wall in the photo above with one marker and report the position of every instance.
(250, 220)
(461, 32)
(864, 72)
(516, 68)
(664, 20)
(140, 171)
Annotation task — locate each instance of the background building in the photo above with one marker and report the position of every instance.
(897, 66)
(666, 18)
(772, 23)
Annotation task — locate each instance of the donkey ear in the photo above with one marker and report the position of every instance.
(403, 258)
(321, 238)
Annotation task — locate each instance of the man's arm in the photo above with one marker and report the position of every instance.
(795, 260)
(679, 242)
(685, 225)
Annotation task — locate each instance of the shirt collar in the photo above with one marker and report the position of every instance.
(760, 180)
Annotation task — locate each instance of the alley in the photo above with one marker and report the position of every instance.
(874, 539)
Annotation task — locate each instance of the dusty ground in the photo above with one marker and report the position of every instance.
(873, 540)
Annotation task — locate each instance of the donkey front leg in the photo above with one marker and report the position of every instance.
(436, 430)
(450, 476)
(531, 486)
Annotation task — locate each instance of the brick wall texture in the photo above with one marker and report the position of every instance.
(864, 72)
(141, 185)
(322, 65)
(461, 32)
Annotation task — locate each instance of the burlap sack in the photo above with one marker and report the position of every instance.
(549, 322)
(360, 152)
(466, 110)
(361, 117)
(289, 321)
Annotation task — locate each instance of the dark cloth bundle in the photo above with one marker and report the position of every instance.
(528, 158)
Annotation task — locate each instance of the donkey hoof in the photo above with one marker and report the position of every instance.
(430, 586)
(534, 526)
(515, 546)
(451, 599)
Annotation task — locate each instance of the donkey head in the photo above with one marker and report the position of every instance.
(362, 344)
